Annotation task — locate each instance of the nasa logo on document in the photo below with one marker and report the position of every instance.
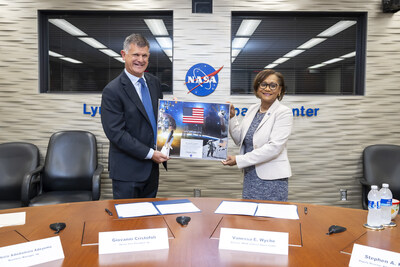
(202, 79)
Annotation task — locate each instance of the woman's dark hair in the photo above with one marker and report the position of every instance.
(262, 75)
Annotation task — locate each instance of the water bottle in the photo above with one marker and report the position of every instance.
(374, 207)
(386, 204)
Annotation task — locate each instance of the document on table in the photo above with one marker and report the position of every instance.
(282, 211)
(176, 206)
(237, 208)
(9, 219)
(136, 209)
(155, 208)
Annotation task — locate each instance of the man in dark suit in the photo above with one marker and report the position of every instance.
(129, 116)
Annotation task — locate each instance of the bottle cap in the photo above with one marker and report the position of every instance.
(374, 187)
(385, 185)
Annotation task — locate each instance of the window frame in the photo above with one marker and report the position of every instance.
(43, 42)
(361, 42)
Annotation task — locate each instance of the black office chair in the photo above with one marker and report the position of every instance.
(381, 164)
(70, 173)
(17, 160)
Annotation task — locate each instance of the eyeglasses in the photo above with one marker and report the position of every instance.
(272, 86)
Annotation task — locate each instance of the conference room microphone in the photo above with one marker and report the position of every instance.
(57, 227)
(183, 220)
(336, 229)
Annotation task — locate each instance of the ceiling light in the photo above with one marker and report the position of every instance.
(68, 27)
(281, 60)
(92, 42)
(294, 53)
(332, 61)
(164, 42)
(235, 52)
(168, 52)
(54, 54)
(239, 43)
(270, 66)
(247, 27)
(312, 42)
(317, 66)
(352, 54)
(71, 60)
(338, 27)
(120, 59)
(157, 27)
(110, 52)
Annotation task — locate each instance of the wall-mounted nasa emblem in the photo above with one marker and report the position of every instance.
(202, 79)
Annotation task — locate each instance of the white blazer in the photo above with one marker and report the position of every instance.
(269, 154)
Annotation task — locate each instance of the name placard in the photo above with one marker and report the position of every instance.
(254, 241)
(133, 240)
(32, 253)
(369, 256)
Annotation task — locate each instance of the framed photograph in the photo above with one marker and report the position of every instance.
(193, 130)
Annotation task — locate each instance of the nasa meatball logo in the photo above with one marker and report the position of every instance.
(202, 79)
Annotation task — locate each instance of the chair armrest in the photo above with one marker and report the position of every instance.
(30, 179)
(97, 182)
(365, 182)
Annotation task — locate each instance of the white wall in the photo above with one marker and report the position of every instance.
(325, 151)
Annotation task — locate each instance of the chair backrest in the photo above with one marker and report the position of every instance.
(70, 162)
(16, 160)
(381, 164)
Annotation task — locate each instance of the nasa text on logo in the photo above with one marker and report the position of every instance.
(202, 79)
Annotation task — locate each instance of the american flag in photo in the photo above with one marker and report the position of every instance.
(193, 115)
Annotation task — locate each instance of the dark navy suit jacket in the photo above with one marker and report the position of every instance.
(127, 126)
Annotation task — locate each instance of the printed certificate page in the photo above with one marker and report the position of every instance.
(177, 208)
(281, 211)
(237, 208)
(136, 209)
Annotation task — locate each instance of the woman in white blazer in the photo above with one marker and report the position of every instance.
(262, 136)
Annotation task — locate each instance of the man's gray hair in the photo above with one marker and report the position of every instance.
(136, 39)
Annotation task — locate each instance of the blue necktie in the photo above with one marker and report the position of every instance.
(148, 106)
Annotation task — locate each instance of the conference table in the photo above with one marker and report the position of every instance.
(197, 244)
